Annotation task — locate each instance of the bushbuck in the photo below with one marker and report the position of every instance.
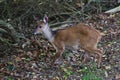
(79, 35)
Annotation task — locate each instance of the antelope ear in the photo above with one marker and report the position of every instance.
(45, 19)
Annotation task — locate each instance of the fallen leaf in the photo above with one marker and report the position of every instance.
(18, 59)
(107, 67)
(106, 74)
(80, 4)
(117, 77)
(56, 78)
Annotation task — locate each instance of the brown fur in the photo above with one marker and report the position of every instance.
(78, 35)
(86, 36)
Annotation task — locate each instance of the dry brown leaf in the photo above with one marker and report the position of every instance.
(117, 77)
(80, 4)
(18, 59)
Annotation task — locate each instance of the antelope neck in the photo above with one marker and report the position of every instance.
(48, 33)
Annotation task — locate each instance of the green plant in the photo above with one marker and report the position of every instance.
(90, 76)
(67, 73)
(9, 78)
(90, 73)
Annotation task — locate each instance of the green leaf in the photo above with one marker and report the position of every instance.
(9, 78)
(11, 67)
(10, 63)
(1, 1)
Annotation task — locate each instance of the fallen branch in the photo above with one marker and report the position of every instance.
(114, 10)
(8, 29)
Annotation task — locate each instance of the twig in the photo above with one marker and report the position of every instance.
(65, 22)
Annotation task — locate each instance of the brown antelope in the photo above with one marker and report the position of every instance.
(79, 35)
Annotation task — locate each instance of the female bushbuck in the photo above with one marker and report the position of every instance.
(79, 35)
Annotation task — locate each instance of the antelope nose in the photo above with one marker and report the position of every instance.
(34, 33)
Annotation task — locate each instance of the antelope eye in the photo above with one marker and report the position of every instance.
(40, 26)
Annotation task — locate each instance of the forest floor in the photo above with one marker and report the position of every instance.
(32, 62)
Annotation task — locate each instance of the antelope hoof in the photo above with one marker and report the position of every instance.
(57, 61)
